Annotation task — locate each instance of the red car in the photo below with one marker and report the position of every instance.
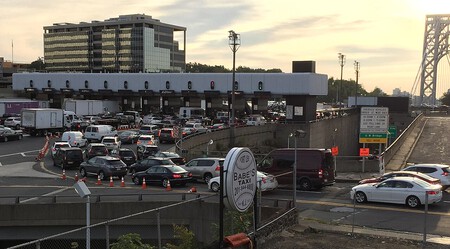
(419, 175)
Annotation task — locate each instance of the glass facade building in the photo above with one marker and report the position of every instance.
(129, 43)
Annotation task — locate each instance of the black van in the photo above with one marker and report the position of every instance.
(68, 157)
(315, 167)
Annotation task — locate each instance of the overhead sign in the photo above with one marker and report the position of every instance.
(239, 179)
(374, 119)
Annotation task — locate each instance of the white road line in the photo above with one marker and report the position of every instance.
(48, 194)
(19, 153)
(23, 154)
(1, 164)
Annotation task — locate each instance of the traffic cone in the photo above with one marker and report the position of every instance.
(76, 177)
(193, 190)
(169, 188)
(144, 185)
(63, 177)
(111, 183)
(99, 181)
(122, 183)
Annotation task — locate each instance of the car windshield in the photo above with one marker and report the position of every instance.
(177, 169)
(422, 183)
(115, 162)
(74, 154)
(127, 153)
(109, 140)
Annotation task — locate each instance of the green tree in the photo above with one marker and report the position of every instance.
(185, 237)
(377, 92)
(445, 99)
(37, 65)
(130, 241)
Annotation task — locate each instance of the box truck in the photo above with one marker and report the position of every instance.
(91, 107)
(40, 121)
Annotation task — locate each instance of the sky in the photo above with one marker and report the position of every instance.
(385, 36)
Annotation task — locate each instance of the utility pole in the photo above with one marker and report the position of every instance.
(341, 58)
(357, 66)
(234, 41)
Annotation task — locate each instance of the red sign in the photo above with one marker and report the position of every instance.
(334, 150)
(364, 152)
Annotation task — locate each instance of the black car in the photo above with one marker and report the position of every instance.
(8, 134)
(146, 150)
(126, 155)
(177, 159)
(79, 125)
(129, 137)
(68, 157)
(148, 163)
(166, 135)
(104, 167)
(95, 149)
(162, 175)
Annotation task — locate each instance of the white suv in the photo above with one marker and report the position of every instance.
(13, 122)
(112, 143)
(438, 171)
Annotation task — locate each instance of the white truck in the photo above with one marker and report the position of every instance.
(91, 107)
(40, 121)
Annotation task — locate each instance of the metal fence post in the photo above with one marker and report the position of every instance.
(425, 221)
(107, 235)
(158, 221)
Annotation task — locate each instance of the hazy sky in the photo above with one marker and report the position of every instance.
(385, 36)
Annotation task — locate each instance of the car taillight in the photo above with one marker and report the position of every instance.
(176, 176)
(159, 133)
(190, 174)
(320, 173)
(171, 133)
(432, 192)
(445, 173)
(217, 168)
(263, 180)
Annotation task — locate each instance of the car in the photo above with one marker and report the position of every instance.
(74, 138)
(146, 140)
(195, 127)
(104, 167)
(57, 145)
(91, 119)
(256, 120)
(97, 132)
(95, 149)
(129, 137)
(410, 191)
(126, 155)
(8, 134)
(177, 159)
(216, 127)
(150, 119)
(204, 168)
(146, 150)
(68, 157)
(439, 171)
(268, 182)
(162, 174)
(111, 143)
(146, 163)
(79, 125)
(149, 129)
(385, 176)
(13, 122)
(166, 135)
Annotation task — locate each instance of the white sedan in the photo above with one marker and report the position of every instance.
(400, 190)
(268, 182)
(58, 145)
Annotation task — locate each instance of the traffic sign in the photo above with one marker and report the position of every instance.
(364, 152)
(334, 150)
(374, 119)
(392, 131)
(373, 135)
(363, 140)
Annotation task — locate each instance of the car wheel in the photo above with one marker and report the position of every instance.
(102, 175)
(360, 197)
(215, 186)
(5, 139)
(18, 127)
(207, 177)
(136, 181)
(305, 184)
(83, 172)
(165, 182)
(412, 201)
(20, 137)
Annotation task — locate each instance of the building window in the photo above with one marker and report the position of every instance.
(31, 84)
(49, 83)
(67, 84)
(167, 85)
(86, 84)
(105, 84)
(125, 84)
(189, 85)
(146, 85)
(212, 85)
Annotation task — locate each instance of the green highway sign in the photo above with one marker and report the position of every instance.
(392, 131)
(373, 135)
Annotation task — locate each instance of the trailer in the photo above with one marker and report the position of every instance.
(41, 121)
(91, 107)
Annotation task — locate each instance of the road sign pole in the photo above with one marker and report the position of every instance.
(364, 159)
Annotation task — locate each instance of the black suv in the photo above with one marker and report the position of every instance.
(126, 155)
(145, 150)
(148, 163)
(68, 157)
(166, 135)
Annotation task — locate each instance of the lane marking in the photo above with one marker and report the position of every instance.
(19, 153)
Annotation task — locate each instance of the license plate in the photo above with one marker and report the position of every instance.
(326, 180)
(70, 162)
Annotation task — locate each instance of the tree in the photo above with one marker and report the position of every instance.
(194, 67)
(38, 64)
(130, 241)
(377, 92)
(445, 99)
(185, 237)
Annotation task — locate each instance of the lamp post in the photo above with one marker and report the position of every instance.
(289, 137)
(207, 146)
(234, 41)
(301, 134)
(341, 58)
(83, 191)
(357, 66)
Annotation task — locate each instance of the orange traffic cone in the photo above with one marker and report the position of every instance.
(122, 183)
(76, 177)
(63, 177)
(99, 181)
(111, 183)
(144, 185)
(168, 188)
(193, 190)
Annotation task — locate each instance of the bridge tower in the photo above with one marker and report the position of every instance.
(435, 47)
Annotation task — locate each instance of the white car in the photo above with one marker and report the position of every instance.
(13, 122)
(268, 182)
(58, 145)
(438, 171)
(399, 190)
(146, 139)
(112, 143)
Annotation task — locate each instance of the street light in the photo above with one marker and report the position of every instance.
(289, 137)
(207, 146)
(83, 191)
(234, 41)
(357, 66)
(301, 134)
(341, 58)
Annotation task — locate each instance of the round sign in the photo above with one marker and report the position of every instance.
(239, 179)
